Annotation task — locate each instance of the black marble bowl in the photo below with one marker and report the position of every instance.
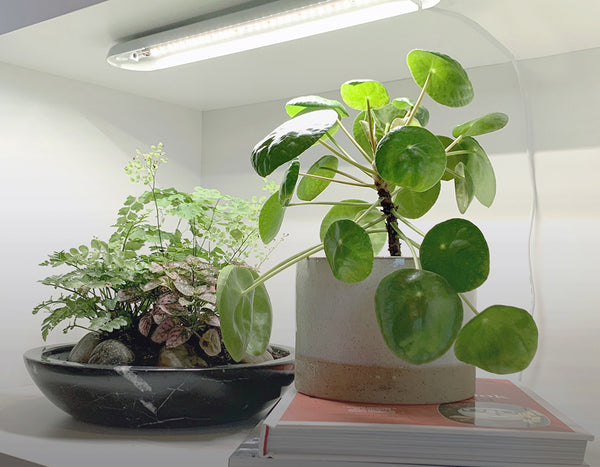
(146, 396)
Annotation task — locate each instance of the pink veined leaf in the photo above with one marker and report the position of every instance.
(151, 285)
(145, 324)
(201, 289)
(159, 313)
(166, 298)
(177, 335)
(210, 342)
(156, 267)
(128, 294)
(172, 275)
(161, 333)
(174, 309)
(209, 298)
(184, 288)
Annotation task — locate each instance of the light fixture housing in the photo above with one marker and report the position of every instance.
(270, 23)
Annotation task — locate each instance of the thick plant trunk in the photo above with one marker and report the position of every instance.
(387, 206)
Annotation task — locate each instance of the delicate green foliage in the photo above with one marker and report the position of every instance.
(291, 139)
(353, 211)
(447, 81)
(501, 339)
(348, 250)
(146, 272)
(411, 157)
(271, 218)
(143, 167)
(419, 314)
(286, 190)
(482, 125)
(414, 204)
(456, 249)
(309, 188)
(305, 104)
(364, 94)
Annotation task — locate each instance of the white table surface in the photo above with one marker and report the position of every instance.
(33, 430)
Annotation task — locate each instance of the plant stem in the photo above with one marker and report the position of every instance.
(410, 245)
(318, 177)
(327, 203)
(283, 265)
(458, 153)
(375, 222)
(419, 99)
(455, 174)
(153, 189)
(408, 223)
(366, 211)
(345, 174)
(355, 143)
(388, 206)
(342, 155)
(454, 143)
(469, 304)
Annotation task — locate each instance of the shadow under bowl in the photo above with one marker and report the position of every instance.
(148, 396)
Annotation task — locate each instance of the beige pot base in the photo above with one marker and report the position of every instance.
(380, 385)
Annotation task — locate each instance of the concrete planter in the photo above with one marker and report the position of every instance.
(341, 355)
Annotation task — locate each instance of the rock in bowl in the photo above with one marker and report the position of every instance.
(148, 396)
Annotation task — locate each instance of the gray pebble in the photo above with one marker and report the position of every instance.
(84, 348)
(112, 352)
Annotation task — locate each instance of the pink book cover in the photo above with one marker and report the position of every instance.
(498, 404)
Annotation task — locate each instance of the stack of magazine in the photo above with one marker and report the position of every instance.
(504, 424)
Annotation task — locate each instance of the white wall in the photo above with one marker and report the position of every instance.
(564, 97)
(63, 149)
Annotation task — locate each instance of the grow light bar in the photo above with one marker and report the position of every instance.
(267, 24)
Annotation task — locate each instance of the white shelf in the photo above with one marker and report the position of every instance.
(33, 430)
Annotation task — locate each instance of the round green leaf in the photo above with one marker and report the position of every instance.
(406, 104)
(348, 250)
(414, 204)
(262, 320)
(235, 308)
(411, 157)
(501, 339)
(448, 81)
(310, 188)
(456, 250)
(481, 171)
(463, 188)
(286, 190)
(289, 140)
(378, 240)
(364, 94)
(482, 125)
(419, 314)
(304, 104)
(270, 218)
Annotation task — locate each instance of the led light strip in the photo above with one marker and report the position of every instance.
(210, 39)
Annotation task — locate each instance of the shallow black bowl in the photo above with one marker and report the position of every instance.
(145, 396)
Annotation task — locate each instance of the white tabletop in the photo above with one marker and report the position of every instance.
(32, 429)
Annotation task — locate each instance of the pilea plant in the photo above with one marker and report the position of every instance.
(419, 310)
(155, 277)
